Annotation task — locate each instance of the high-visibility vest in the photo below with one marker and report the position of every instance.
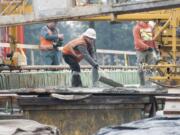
(143, 34)
(67, 49)
(46, 42)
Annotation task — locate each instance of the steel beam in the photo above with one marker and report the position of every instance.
(72, 13)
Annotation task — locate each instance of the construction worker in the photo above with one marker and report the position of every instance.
(144, 45)
(1, 56)
(78, 49)
(50, 40)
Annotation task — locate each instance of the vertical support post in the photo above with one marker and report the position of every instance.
(13, 31)
(126, 59)
(103, 57)
(20, 34)
(174, 38)
(32, 57)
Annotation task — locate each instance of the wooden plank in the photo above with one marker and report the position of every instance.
(172, 113)
(12, 116)
(69, 97)
(83, 107)
(97, 100)
(4, 96)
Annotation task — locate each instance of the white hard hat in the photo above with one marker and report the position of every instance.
(152, 24)
(91, 33)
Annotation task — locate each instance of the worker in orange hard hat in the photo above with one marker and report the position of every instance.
(78, 49)
(50, 40)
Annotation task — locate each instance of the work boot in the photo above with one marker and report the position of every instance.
(141, 77)
(95, 77)
(76, 80)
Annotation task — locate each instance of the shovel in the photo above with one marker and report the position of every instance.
(103, 79)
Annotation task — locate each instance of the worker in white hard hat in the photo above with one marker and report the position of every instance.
(78, 49)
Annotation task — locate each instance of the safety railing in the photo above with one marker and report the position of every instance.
(105, 57)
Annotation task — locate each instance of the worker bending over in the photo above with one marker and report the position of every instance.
(50, 40)
(144, 45)
(78, 49)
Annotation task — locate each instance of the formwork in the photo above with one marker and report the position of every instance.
(84, 114)
(43, 79)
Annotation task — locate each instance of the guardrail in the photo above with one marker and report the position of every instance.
(101, 52)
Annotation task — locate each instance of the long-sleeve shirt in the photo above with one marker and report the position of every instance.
(143, 37)
(48, 34)
(88, 54)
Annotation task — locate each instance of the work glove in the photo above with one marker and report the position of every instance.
(59, 43)
(9, 55)
(96, 66)
(55, 46)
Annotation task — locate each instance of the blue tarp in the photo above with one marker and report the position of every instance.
(152, 126)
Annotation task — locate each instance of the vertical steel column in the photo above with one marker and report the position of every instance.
(174, 37)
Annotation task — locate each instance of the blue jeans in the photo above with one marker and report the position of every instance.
(51, 57)
(143, 57)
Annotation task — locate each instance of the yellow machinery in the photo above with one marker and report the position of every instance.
(167, 70)
(13, 34)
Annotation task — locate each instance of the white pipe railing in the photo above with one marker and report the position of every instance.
(31, 47)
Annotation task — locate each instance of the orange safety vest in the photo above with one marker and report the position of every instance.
(67, 49)
(46, 42)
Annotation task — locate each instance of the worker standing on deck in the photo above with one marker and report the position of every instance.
(78, 49)
(144, 45)
(1, 56)
(50, 40)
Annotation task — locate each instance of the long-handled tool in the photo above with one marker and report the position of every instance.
(109, 81)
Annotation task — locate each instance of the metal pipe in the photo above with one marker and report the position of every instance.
(41, 67)
(164, 27)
